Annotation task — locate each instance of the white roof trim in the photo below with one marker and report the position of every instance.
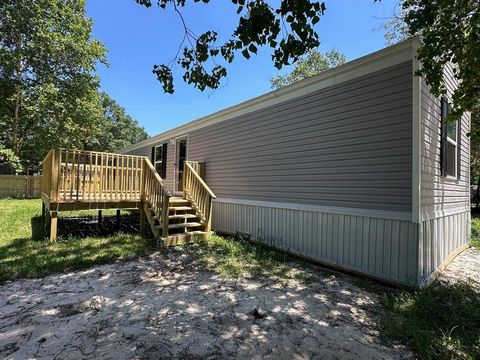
(376, 61)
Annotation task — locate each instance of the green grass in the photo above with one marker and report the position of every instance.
(235, 257)
(440, 322)
(24, 251)
(476, 232)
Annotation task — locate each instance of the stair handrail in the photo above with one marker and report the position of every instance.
(156, 194)
(198, 192)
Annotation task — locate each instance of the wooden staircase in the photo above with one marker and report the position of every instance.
(184, 224)
(75, 180)
(178, 220)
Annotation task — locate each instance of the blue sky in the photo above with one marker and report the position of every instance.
(137, 38)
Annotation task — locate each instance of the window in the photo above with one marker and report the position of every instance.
(159, 159)
(450, 153)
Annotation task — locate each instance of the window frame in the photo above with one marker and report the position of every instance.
(161, 161)
(446, 140)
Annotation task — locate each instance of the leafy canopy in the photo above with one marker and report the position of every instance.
(119, 129)
(48, 89)
(450, 32)
(259, 24)
(309, 65)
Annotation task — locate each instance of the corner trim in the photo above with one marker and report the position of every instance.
(439, 270)
(369, 213)
(416, 138)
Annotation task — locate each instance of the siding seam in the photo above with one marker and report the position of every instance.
(380, 214)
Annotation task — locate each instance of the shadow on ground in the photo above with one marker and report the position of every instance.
(76, 227)
(82, 242)
(442, 321)
(169, 306)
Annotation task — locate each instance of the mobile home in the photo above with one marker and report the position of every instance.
(354, 168)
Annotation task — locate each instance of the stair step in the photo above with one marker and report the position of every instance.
(182, 216)
(180, 208)
(185, 238)
(184, 225)
(178, 201)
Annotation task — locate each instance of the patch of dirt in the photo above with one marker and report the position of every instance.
(167, 306)
(465, 267)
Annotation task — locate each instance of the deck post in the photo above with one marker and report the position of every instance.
(100, 217)
(44, 210)
(165, 218)
(118, 218)
(208, 225)
(53, 225)
(142, 220)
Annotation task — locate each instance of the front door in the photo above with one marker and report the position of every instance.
(181, 156)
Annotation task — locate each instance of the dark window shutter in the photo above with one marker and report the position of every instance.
(459, 148)
(152, 158)
(443, 141)
(163, 175)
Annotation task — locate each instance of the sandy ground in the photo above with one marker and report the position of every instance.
(167, 306)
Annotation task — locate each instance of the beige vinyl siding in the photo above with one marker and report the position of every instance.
(438, 192)
(147, 151)
(348, 145)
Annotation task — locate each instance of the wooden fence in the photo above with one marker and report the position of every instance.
(20, 186)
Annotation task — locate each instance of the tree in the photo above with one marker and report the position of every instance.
(259, 24)
(48, 89)
(119, 129)
(396, 28)
(451, 34)
(311, 64)
(9, 162)
(450, 31)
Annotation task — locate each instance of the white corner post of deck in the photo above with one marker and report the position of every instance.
(416, 136)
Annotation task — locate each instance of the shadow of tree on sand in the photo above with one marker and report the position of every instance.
(440, 322)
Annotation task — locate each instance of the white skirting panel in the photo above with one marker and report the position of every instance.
(384, 248)
(439, 238)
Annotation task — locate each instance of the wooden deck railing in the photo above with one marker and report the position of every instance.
(198, 192)
(155, 193)
(75, 177)
(72, 175)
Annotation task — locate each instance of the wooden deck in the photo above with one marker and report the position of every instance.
(88, 180)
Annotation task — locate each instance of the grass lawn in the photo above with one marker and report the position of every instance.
(24, 251)
(476, 232)
(440, 322)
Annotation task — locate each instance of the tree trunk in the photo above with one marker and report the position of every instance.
(18, 92)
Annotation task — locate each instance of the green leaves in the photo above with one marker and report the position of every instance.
(309, 65)
(451, 33)
(48, 88)
(259, 24)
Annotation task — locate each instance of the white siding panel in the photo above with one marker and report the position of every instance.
(379, 247)
(441, 237)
